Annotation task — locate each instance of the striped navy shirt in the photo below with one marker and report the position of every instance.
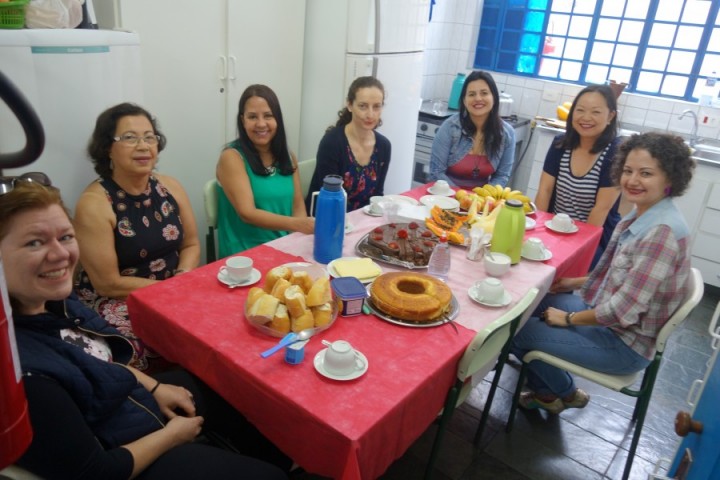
(575, 195)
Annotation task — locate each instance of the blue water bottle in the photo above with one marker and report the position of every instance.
(454, 100)
(330, 220)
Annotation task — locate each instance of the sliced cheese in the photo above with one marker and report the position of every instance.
(357, 267)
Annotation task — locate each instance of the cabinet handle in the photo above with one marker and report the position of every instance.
(694, 392)
(223, 68)
(713, 327)
(232, 62)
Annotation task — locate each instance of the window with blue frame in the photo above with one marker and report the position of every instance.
(657, 47)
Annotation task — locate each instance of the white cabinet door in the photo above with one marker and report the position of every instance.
(266, 43)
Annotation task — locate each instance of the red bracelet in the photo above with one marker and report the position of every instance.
(152, 392)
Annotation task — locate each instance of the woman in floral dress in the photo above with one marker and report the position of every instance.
(353, 149)
(135, 226)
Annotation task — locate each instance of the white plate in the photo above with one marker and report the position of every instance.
(366, 210)
(402, 199)
(475, 296)
(547, 255)
(549, 225)
(529, 223)
(333, 273)
(448, 193)
(319, 362)
(253, 278)
(446, 203)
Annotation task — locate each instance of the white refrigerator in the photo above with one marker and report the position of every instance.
(69, 76)
(352, 38)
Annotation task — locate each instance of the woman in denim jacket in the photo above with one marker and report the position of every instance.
(475, 146)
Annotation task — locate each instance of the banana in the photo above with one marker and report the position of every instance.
(499, 191)
(514, 194)
(480, 191)
(472, 211)
(506, 192)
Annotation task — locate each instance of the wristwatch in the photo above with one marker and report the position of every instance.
(568, 317)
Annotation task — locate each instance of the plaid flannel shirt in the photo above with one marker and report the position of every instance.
(642, 277)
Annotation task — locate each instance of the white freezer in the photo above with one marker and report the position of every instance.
(387, 26)
(69, 76)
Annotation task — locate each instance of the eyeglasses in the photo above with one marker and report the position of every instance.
(7, 184)
(132, 140)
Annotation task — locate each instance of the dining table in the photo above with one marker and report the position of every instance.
(340, 429)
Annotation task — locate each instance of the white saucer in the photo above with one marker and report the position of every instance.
(447, 193)
(333, 273)
(349, 227)
(507, 298)
(547, 255)
(319, 361)
(529, 223)
(446, 203)
(402, 199)
(366, 210)
(549, 225)
(253, 278)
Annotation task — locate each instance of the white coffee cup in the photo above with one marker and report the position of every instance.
(533, 248)
(490, 290)
(376, 204)
(563, 222)
(341, 358)
(441, 186)
(238, 268)
(497, 264)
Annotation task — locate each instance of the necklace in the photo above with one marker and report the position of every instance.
(270, 170)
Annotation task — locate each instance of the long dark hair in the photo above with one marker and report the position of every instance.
(493, 128)
(103, 136)
(572, 137)
(278, 145)
(344, 115)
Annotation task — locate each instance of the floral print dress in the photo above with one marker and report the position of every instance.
(148, 236)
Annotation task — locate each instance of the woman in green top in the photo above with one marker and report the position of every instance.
(259, 194)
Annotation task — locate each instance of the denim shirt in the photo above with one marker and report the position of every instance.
(451, 145)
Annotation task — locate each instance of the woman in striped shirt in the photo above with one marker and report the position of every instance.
(576, 175)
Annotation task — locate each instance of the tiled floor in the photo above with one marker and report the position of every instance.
(585, 444)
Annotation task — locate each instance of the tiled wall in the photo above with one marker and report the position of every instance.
(451, 38)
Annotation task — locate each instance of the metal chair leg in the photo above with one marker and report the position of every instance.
(491, 394)
(448, 410)
(516, 399)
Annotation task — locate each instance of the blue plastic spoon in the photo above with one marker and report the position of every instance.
(291, 337)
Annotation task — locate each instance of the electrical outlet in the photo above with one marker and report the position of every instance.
(709, 117)
(551, 96)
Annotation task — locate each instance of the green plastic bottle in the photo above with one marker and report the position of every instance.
(509, 230)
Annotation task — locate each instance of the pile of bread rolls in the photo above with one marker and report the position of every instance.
(290, 300)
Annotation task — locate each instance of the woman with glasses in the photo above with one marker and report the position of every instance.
(135, 226)
(259, 194)
(353, 149)
(92, 415)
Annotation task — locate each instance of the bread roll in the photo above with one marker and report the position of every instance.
(278, 290)
(295, 301)
(319, 293)
(281, 320)
(322, 314)
(253, 295)
(306, 320)
(263, 310)
(274, 275)
(303, 279)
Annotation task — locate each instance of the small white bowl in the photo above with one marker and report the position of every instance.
(497, 265)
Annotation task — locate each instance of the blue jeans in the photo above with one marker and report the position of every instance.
(595, 347)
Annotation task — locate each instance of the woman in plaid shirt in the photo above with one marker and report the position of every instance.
(636, 286)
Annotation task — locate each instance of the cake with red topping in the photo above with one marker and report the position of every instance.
(408, 242)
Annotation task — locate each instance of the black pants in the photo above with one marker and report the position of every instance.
(249, 454)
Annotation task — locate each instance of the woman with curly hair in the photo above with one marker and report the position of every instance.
(135, 226)
(639, 282)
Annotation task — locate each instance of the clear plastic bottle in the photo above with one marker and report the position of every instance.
(439, 264)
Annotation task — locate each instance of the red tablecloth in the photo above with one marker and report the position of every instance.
(347, 430)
